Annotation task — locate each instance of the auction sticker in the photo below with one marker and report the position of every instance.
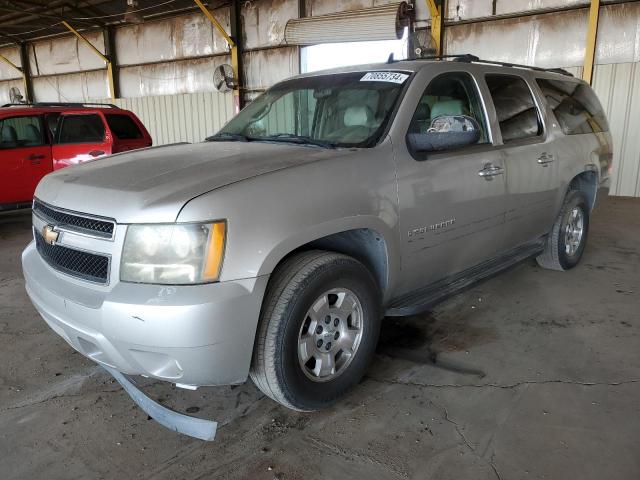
(393, 77)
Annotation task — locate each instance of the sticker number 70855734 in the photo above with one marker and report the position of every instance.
(393, 77)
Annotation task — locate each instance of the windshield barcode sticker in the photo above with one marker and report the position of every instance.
(392, 77)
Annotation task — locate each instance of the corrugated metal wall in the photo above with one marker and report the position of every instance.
(618, 87)
(189, 117)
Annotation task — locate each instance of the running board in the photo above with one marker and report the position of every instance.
(421, 300)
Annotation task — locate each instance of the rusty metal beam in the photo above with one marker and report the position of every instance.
(215, 23)
(104, 57)
(11, 64)
(26, 73)
(236, 57)
(592, 35)
(112, 65)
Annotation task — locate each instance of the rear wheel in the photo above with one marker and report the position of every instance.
(568, 237)
(318, 330)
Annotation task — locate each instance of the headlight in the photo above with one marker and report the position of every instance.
(175, 254)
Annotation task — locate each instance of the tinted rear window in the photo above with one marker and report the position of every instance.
(575, 105)
(81, 129)
(516, 110)
(123, 127)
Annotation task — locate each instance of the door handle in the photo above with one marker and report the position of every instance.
(35, 159)
(490, 170)
(545, 158)
(96, 153)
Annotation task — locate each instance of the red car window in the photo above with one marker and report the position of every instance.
(81, 129)
(21, 132)
(123, 127)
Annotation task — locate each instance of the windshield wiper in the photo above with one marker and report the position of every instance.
(299, 139)
(228, 137)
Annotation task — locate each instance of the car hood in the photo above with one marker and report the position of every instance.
(152, 185)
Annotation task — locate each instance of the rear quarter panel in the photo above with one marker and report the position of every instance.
(576, 154)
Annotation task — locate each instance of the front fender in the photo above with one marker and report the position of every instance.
(341, 225)
(271, 215)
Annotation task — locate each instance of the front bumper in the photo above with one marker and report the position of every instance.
(192, 335)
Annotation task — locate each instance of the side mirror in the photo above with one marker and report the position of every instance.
(446, 133)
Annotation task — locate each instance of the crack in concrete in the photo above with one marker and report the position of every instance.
(490, 462)
(501, 386)
(465, 440)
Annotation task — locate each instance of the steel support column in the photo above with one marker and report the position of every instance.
(107, 60)
(112, 65)
(233, 46)
(436, 9)
(592, 35)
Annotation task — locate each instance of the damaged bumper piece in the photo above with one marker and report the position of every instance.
(178, 422)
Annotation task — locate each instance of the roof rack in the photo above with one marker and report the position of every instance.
(61, 104)
(468, 58)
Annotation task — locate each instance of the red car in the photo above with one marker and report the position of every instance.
(38, 138)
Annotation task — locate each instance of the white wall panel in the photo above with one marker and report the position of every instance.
(512, 6)
(73, 87)
(263, 22)
(65, 55)
(12, 54)
(322, 7)
(553, 39)
(186, 76)
(181, 118)
(265, 67)
(171, 39)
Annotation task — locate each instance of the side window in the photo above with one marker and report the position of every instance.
(81, 129)
(123, 127)
(450, 94)
(575, 105)
(21, 132)
(516, 110)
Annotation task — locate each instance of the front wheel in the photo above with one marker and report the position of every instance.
(568, 237)
(318, 330)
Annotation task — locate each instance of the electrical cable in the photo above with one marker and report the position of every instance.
(97, 17)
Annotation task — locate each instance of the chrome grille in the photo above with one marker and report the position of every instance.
(84, 265)
(74, 221)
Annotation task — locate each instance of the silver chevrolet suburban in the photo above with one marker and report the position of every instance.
(274, 249)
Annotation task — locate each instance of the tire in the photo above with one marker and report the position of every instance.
(304, 280)
(557, 254)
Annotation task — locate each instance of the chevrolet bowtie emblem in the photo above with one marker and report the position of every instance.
(49, 234)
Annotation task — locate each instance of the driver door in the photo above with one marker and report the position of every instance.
(452, 202)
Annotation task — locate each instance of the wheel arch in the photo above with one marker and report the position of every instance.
(371, 243)
(587, 183)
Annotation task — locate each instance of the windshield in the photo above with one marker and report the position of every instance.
(343, 110)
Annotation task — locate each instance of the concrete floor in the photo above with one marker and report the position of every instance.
(533, 374)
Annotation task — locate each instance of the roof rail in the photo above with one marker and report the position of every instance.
(468, 58)
(61, 104)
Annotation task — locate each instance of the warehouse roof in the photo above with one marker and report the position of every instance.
(23, 20)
